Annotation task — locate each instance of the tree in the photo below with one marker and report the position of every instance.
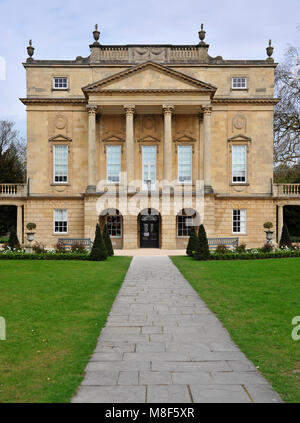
(191, 247)
(12, 154)
(287, 111)
(107, 241)
(98, 252)
(13, 241)
(285, 240)
(202, 250)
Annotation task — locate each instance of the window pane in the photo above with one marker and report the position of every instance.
(113, 157)
(239, 82)
(60, 163)
(60, 82)
(184, 225)
(239, 221)
(149, 163)
(60, 220)
(239, 163)
(185, 163)
(114, 225)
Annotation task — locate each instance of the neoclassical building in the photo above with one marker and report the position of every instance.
(151, 139)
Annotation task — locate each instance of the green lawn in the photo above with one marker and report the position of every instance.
(54, 311)
(256, 301)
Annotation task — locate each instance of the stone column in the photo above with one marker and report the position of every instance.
(92, 175)
(201, 149)
(280, 222)
(207, 147)
(20, 224)
(129, 110)
(168, 143)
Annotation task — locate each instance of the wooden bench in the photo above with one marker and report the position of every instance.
(228, 242)
(68, 242)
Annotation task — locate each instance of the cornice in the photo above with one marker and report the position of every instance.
(227, 100)
(45, 100)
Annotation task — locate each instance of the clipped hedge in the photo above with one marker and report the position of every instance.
(254, 256)
(43, 256)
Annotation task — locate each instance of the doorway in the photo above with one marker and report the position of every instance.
(149, 230)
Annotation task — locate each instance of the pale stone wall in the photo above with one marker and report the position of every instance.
(40, 211)
(260, 79)
(258, 212)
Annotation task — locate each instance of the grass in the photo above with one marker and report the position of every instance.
(256, 301)
(54, 312)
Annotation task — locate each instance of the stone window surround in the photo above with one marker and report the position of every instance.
(240, 75)
(245, 220)
(240, 140)
(60, 233)
(55, 75)
(60, 140)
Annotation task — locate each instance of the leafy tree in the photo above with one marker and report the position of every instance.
(191, 247)
(287, 111)
(107, 241)
(99, 252)
(202, 250)
(13, 241)
(285, 240)
(12, 154)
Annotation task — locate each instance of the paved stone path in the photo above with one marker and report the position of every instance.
(162, 344)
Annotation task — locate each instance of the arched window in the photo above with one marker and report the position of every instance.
(186, 219)
(113, 219)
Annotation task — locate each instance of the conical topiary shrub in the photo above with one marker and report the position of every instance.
(107, 241)
(192, 244)
(285, 240)
(99, 252)
(202, 250)
(13, 241)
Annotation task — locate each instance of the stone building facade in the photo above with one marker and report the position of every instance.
(151, 139)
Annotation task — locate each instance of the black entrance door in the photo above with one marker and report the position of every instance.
(149, 230)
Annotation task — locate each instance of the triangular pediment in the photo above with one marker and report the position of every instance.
(149, 138)
(184, 138)
(150, 76)
(60, 137)
(239, 137)
(113, 138)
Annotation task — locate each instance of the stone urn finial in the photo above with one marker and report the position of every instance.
(270, 50)
(30, 50)
(202, 34)
(96, 34)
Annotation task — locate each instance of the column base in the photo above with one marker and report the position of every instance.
(91, 188)
(208, 189)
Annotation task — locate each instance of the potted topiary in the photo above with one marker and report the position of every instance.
(30, 236)
(269, 233)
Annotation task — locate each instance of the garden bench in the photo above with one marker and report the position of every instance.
(228, 242)
(68, 242)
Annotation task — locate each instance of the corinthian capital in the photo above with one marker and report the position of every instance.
(129, 109)
(91, 109)
(167, 108)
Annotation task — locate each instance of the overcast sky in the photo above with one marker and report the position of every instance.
(62, 29)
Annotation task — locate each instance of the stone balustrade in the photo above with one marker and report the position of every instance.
(13, 190)
(286, 190)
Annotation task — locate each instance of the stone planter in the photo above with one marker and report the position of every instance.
(269, 236)
(30, 238)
